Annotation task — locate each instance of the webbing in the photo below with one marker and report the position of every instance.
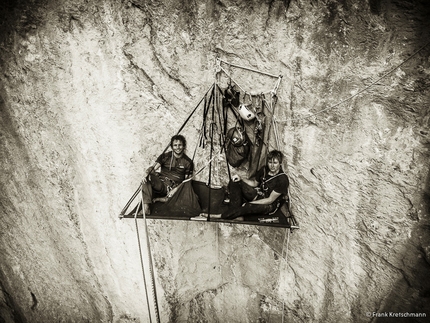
(248, 68)
(263, 92)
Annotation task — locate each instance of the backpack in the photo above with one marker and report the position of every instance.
(237, 146)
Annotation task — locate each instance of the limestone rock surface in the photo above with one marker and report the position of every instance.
(90, 93)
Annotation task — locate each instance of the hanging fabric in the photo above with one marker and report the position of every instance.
(255, 132)
(241, 134)
(237, 145)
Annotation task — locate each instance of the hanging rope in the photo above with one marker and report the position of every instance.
(359, 92)
(270, 106)
(154, 309)
(272, 92)
(273, 102)
(248, 68)
(211, 131)
(223, 125)
(243, 90)
(286, 237)
(150, 264)
(203, 167)
(229, 76)
(275, 131)
(121, 215)
(189, 117)
(198, 104)
(142, 263)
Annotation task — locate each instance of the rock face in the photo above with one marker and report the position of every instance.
(91, 92)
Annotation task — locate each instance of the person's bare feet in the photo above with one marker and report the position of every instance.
(160, 199)
(147, 209)
(204, 217)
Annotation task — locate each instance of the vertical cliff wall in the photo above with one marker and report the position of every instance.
(90, 93)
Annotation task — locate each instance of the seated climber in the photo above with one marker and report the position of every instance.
(259, 196)
(175, 166)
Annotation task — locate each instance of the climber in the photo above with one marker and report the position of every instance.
(175, 166)
(262, 195)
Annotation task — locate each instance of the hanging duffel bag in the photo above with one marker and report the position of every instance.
(237, 147)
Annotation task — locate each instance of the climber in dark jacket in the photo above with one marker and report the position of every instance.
(175, 166)
(260, 195)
